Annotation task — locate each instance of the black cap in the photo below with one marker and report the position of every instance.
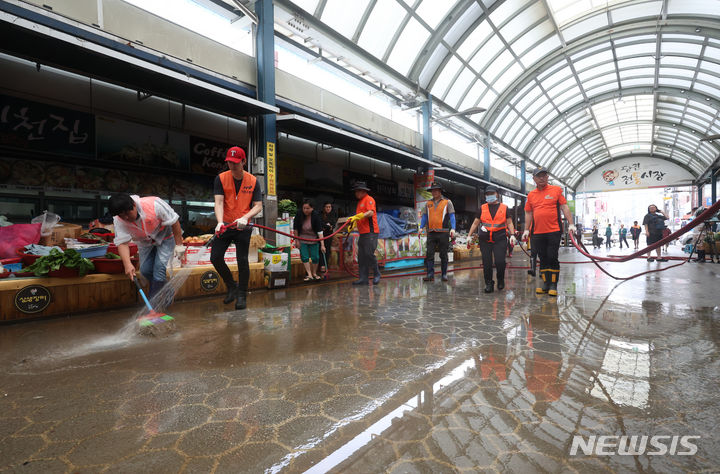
(540, 169)
(360, 185)
(490, 189)
(435, 185)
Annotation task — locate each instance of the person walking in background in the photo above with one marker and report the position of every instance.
(595, 237)
(367, 225)
(654, 223)
(328, 219)
(635, 232)
(666, 233)
(608, 236)
(308, 225)
(542, 216)
(438, 216)
(623, 236)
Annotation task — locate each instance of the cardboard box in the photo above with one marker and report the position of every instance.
(59, 232)
(197, 256)
(276, 279)
(276, 262)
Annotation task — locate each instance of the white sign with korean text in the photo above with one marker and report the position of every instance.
(635, 173)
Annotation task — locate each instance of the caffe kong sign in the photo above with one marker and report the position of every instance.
(207, 156)
(32, 299)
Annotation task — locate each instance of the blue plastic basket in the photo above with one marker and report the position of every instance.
(93, 251)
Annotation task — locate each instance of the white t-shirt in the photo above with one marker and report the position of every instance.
(126, 231)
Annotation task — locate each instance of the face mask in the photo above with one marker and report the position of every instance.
(491, 198)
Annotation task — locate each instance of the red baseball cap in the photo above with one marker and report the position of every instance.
(235, 154)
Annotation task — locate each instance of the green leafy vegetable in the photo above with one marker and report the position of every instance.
(71, 258)
(113, 256)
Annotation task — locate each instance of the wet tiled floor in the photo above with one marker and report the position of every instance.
(401, 377)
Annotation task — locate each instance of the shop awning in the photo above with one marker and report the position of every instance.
(47, 41)
(352, 141)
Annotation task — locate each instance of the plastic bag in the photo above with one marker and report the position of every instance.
(48, 220)
(16, 236)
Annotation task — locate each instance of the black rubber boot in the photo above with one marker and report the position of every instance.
(554, 276)
(231, 294)
(241, 302)
(501, 284)
(545, 276)
(489, 287)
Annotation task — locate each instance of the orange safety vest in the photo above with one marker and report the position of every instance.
(236, 205)
(493, 224)
(436, 215)
(150, 225)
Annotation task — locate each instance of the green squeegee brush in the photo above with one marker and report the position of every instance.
(153, 323)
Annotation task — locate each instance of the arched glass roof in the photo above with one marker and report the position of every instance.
(569, 84)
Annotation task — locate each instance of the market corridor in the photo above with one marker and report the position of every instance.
(401, 377)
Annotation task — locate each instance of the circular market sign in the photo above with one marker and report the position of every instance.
(209, 280)
(32, 299)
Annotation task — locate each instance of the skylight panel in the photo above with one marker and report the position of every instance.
(642, 49)
(508, 77)
(507, 9)
(588, 25)
(587, 65)
(541, 50)
(634, 12)
(483, 57)
(472, 96)
(682, 49)
(446, 77)
(343, 16)
(307, 5)
(532, 37)
(433, 11)
(497, 66)
(475, 39)
(522, 21)
(382, 23)
(457, 89)
(411, 40)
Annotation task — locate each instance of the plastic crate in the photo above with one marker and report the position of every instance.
(11, 264)
(93, 251)
(112, 265)
(112, 248)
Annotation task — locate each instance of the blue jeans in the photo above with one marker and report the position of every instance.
(154, 260)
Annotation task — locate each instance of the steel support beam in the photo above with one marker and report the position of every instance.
(266, 163)
(713, 185)
(426, 109)
(486, 156)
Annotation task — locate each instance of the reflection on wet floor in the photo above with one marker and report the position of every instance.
(402, 377)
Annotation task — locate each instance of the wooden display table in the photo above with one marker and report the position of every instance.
(43, 297)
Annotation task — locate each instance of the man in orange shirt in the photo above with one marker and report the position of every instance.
(237, 199)
(367, 224)
(542, 220)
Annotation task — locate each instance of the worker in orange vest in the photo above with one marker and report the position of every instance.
(493, 224)
(543, 207)
(439, 217)
(237, 200)
(155, 227)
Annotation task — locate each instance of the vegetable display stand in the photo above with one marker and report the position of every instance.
(64, 272)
